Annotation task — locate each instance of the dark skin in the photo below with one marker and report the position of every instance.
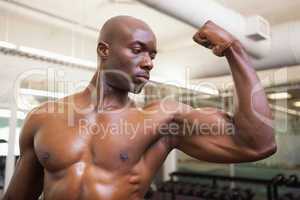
(67, 156)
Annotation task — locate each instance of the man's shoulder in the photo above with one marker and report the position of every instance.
(169, 105)
(46, 114)
(49, 109)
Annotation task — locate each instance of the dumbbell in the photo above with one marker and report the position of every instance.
(177, 188)
(166, 187)
(235, 195)
(187, 189)
(292, 180)
(225, 188)
(288, 196)
(220, 195)
(279, 179)
(224, 196)
(198, 191)
(210, 193)
(247, 194)
(250, 194)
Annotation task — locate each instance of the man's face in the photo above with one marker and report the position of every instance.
(130, 59)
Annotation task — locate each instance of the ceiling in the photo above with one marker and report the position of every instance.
(94, 13)
(275, 11)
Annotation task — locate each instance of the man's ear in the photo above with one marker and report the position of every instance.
(103, 50)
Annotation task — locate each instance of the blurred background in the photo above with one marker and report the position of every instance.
(48, 50)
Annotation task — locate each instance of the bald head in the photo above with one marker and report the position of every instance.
(120, 26)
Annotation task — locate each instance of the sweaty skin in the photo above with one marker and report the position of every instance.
(97, 145)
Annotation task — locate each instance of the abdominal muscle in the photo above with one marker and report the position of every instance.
(90, 182)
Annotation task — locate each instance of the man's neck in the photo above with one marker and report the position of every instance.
(107, 97)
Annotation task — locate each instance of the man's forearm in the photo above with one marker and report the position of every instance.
(252, 115)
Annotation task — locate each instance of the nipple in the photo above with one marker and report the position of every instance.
(124, 156)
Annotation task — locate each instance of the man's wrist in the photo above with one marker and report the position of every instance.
(235, 46)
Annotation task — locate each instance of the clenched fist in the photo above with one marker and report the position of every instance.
(214, 37)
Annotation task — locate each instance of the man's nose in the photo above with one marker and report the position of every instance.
(147, 62)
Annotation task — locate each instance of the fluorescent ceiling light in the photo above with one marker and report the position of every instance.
(47, 55)
(41, 93)
(7, 45)
(59, 57)
(181, 83)
(204, 96)
(5, 113)
(297, 104)
(285, 110)
(279, 95)
(204, 89)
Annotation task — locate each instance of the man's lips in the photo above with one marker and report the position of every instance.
(145, 76)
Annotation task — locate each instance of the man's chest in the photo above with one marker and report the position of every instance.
(110, 141)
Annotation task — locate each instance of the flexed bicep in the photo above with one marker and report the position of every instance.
(211, 135)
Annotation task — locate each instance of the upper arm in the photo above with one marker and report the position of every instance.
(210, 135)
(27, 181)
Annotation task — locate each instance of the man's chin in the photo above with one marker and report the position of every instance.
(137, 88)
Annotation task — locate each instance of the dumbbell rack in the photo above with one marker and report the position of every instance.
(282, 181)
(195, 191)
(271, 185)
